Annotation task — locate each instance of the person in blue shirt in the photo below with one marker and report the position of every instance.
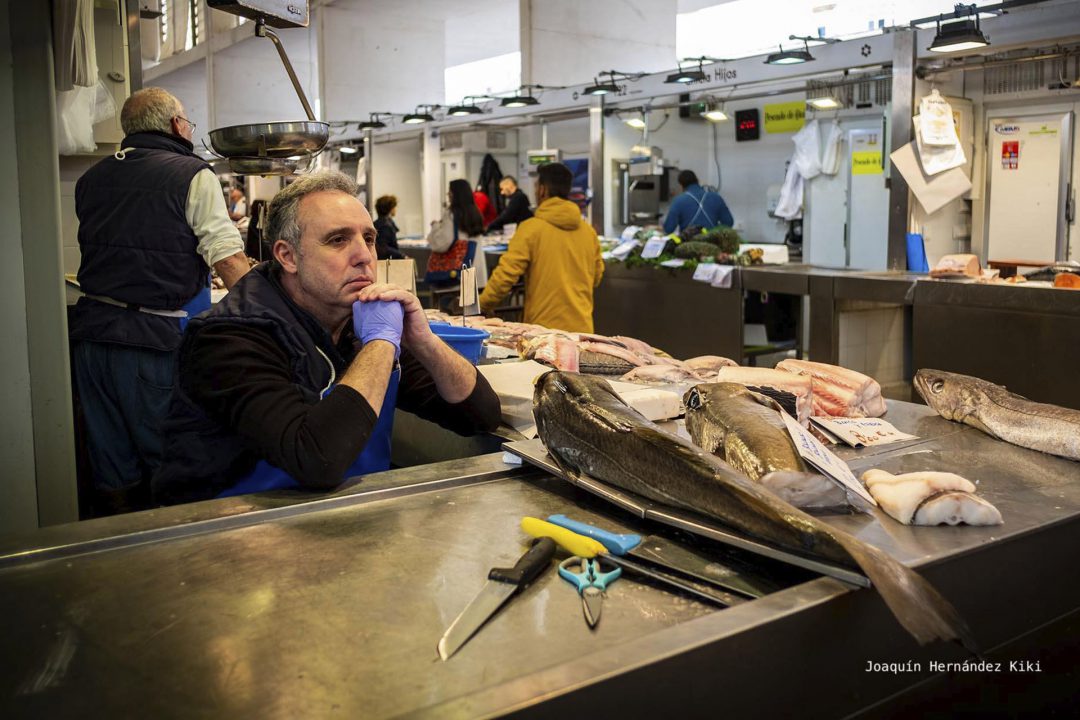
(696, 206)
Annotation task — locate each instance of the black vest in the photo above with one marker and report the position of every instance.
(136, 244)
(202, 457)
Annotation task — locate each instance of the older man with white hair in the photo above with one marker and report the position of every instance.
(152, 222)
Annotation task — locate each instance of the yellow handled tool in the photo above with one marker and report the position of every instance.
(568, 540)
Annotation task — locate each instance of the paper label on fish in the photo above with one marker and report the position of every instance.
(813, 452)
(653, 247)
(862, 432)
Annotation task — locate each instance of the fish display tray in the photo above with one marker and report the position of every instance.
(534, 453)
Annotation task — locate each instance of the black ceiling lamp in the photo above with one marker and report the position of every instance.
(965, 34)
(466, 107)
(603, 88)
(689, 75)
(522, 98)
(421, 115)
(790, 57)
(373, 123)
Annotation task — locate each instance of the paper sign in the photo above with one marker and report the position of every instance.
(653, 248)
(932, 192)
(785, 117)
(1010, 155)
(862, 432)
(397, 272)
(866, 163)
(673, 263)
(705, 272)
(467, 295)
(722, 276)
(623, 249)
(813, 452)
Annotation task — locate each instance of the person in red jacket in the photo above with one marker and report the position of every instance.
(486, 207)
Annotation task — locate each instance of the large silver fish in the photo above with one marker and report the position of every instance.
(1000, 413)
(588, 429)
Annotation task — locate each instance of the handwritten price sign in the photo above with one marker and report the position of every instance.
(822, 458)
(862, 432)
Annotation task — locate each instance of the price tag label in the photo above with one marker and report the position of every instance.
(722, 276)
(467, 295)
(862, 432)
(673, 263)
(813, 452)
(705, 272)
(623, 249)
(653, 247)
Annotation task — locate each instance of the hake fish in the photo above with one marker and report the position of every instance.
(1000, 413)
(745, 429)
(588, 429)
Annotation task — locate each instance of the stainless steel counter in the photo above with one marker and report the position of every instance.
(288, 606)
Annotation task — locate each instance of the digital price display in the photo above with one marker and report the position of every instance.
(747, 124)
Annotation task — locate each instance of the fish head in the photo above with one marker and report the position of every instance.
(950, 395)
(701, 396)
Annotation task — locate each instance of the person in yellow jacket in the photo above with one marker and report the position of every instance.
(559, 255)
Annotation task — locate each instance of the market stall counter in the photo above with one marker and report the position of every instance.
(291, 605)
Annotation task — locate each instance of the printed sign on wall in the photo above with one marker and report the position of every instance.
(785, 117)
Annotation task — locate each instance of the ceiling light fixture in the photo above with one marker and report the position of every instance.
(959, 35)
(373, 122)
(636, 122)
(790, 57)
(466, 107)
(825, 102)
(610, 87)
(519, 101)
(422, 115)
(348, 150)
(714, 112)
(689, 75)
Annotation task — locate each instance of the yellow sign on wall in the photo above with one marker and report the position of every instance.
(785, 117)
(866, 162)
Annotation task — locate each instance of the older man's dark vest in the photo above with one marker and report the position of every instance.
(137, 247)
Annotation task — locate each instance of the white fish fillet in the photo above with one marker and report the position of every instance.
(913, 498)
(710, 363)
(618, 351)
(838, 391)
(798, 385)
(954, 508)
(638, 346)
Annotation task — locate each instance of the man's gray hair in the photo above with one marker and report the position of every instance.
(282, 222)
(151, 108)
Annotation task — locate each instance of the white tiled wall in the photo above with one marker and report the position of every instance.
(872, 342)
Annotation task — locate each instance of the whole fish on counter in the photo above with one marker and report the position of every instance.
(588, 429)
(930, 498)
(838, 391)
(1000, 413)
(745, 429)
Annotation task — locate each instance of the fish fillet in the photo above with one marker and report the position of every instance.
(618, 351)
(554, 349)
(658, 374)
(710, 363)
(838, 391)
(929, 498)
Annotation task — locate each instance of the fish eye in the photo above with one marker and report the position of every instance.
(694, 402)
(937, 386)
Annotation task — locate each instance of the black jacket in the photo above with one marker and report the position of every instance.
(517, 211)
(250, 375)
(386, 242)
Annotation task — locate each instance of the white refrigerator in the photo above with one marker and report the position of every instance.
(1029, 159)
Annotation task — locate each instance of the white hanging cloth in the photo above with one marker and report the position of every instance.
(831, 160)
(808, 150)
(789, 205)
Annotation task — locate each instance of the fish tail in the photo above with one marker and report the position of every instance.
(919, 608)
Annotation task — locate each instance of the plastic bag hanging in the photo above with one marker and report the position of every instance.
(830, 157)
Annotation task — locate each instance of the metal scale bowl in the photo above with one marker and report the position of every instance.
(276, 148)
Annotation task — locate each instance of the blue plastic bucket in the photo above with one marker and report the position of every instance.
(467, 341)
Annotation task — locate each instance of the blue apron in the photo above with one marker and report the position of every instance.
(375, 457)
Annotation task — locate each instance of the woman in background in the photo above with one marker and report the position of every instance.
(386, 242)
(461, 220)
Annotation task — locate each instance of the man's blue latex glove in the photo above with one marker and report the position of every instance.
(379, 320)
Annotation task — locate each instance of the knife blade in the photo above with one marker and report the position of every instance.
(588, 548)
(501, 584)
(672, 556)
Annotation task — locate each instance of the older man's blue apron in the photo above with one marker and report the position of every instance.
(375, 457)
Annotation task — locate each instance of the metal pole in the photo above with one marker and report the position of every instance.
(903, 99)
(262, 31)
(369, 145)
(596, 164)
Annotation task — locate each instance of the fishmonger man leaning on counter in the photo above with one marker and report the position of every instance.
(293, 378)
